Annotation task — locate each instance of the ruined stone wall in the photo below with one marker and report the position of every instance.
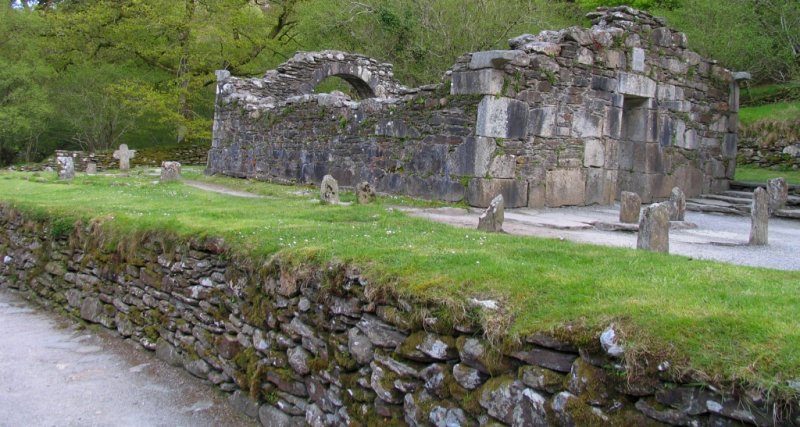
(570, 117)
(317, 345)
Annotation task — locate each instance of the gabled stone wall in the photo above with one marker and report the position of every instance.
(570, 117)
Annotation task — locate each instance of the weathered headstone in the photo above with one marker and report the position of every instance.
(365, 193)
(124, 156)
(629, 206)
(91, 168)
(492, 218)
(654, 228)
(170, 171)
(677, 205)
(759, 217)
(66, 167)
(778, 191)
(329, 190)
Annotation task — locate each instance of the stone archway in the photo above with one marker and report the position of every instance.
(303, 72)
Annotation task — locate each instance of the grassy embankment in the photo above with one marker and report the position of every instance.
(731, 323)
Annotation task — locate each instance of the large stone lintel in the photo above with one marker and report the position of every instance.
(502, 118)
(480, 82)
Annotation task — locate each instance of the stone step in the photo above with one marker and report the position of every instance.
(790, 201)
(788, 213)
(732, 200)
(711, 208)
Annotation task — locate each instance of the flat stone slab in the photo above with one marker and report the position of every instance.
(621, 226)
(788, 213)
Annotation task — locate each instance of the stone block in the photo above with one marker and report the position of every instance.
(654, 229)
(594, 153)
(536, 195)
(613, 123)
(170, 171)
(654, 158)
(472, 158)
(492, 219)
(630, 206)
(637, 85)
(66, 168)
(601, 186)
(677, 207)
(396, 129)
(637, 59)
(729, 145)
(542, 121)
(503, 166)
(478, 82)
(626, 155)
(778, 191)
(365, 193)
(329, 190)
(611, 151)
(481, 191)
(586, 125)
(494, 58)
(759, 218)
(565, 187)
(502, 118)
(91, 168)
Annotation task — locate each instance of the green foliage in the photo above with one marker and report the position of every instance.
(756, 174)
(777, 112)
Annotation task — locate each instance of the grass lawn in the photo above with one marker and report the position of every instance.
(756, 174)
(779, 112)
(732, 323)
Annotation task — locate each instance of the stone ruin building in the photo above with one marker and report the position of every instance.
(569, 117)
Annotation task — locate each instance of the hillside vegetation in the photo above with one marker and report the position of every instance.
(142, 72)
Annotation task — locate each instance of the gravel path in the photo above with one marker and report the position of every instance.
(717, 237)
(52, 374)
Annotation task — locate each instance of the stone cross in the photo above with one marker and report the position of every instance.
(329, 190)
(677, 208)
(170, 171)
(654, 228)
(629, 206)
(66, 168)
(124, 156)
(365, 193)
(492, 218)
(778, 192)
(759, 217)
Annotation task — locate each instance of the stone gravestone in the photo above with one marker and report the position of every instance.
(778, 191)
(91, 168)
(759, 217)
(329, 190)
(654, 228)
(492, 218)
(677, 205)
(629, 206)
(124, 156)
(66, 167)
(365, 193)
(170, 171)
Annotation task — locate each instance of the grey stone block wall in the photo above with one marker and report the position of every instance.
(569, 117)
(314, 345)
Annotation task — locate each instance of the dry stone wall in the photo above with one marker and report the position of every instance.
(310, 345)
(570, 117)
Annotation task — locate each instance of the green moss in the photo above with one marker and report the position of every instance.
(151, 332)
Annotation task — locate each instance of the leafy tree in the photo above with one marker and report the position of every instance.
(24, 105)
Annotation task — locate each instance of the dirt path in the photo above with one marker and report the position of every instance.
(220, 189)
(52, 374)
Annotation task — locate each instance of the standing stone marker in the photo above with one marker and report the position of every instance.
(629, 206)
(329, 190)
(759, 217)
(91, 168)
(66, 168)
(365, 193)
(654, 228)
(778, 191)
(677, 207)
(492, 218)
(170, 171)
(124, 156)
